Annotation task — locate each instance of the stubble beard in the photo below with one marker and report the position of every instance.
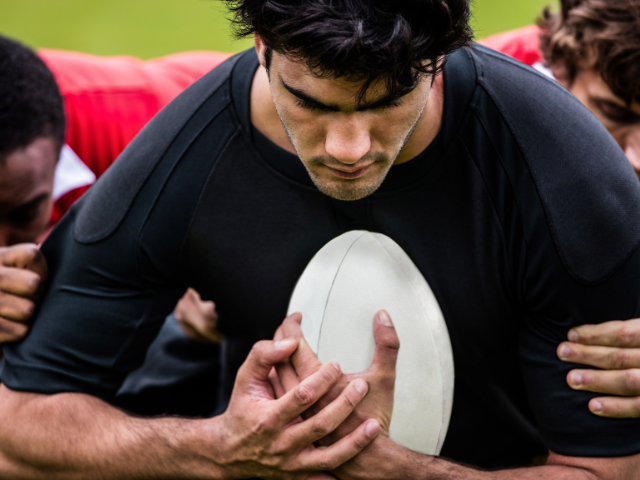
(349, 190)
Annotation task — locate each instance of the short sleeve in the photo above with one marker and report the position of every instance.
(566, 424)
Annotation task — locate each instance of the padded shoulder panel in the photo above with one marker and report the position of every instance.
(590, 193)
(103, 209)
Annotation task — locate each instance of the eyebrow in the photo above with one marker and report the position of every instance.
(630, 115)
(33, 202)
(381, 102)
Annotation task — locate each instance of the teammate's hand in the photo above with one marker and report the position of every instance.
(23, 271)
(380, 376)
(266, 437)
(615, 348)
(197, 318)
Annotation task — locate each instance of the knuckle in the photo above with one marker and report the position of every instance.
(279, 449)
(258, 350)
(621, 359)
(632, 382)
(328, 463)
(304, 394)
(33, 282)
(32, 251)
(321, 425)
(351, 401)
(263, 424)
(626, 335)
(11, 331)
(27, 310)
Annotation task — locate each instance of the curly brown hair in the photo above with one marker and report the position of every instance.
(600, 34)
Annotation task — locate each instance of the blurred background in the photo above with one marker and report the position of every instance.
(152, 28)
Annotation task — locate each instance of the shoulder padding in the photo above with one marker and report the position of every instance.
(108, 201)
(588, 190)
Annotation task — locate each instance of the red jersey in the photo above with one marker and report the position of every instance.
(522, 44)
(107, 101)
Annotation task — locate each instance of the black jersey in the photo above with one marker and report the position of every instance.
(523, 216)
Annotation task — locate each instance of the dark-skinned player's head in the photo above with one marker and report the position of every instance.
(593, 49)
(32, 129)
(350, 78)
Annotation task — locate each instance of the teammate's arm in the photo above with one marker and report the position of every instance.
(73, 435)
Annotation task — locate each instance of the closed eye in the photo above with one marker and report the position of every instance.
(312, 106)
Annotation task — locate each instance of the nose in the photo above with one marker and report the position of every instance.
(632, 149)
(348, 139)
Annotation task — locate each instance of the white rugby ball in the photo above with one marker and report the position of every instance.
(338, 294)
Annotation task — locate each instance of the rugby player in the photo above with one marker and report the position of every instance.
(472, 196)
(107, 101)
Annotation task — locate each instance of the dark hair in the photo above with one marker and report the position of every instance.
(30, 102)
(600, 34)
(397, 41)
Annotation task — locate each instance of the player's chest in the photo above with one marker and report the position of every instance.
(249, 249)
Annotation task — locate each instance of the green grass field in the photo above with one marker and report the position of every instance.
(151, 28)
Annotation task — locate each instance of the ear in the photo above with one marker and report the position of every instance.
(261, 49)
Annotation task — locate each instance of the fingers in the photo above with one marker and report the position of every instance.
(330, 417)
(11, 331)
(616, 407)
(262, 357)
(25, 256)
(308, 391)
(16, 309)
(612, 382)
(197, 318)
(608, 358)
(330, 458)
(16, 281)
(612, 334)
(287, 375)
(276, 384)
(304, 360)
(387, 345)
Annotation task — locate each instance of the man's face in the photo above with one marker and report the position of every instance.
(26, 185)
(622, 120)
(346, 146)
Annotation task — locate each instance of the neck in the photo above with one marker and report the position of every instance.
(265, 118)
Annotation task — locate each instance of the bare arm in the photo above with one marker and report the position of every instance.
(399, 463)
(71, 436)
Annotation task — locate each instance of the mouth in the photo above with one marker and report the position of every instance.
(350, 173)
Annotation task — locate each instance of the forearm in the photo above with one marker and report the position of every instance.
(70, 436)
(386, 460)
(431, 468)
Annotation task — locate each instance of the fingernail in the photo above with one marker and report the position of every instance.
(596, 407)
(573, 336)
(336, 365)
(361, 386)
(565, 351)
(576, 379)
(384, 318)
(283, 344)
(372, 429)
